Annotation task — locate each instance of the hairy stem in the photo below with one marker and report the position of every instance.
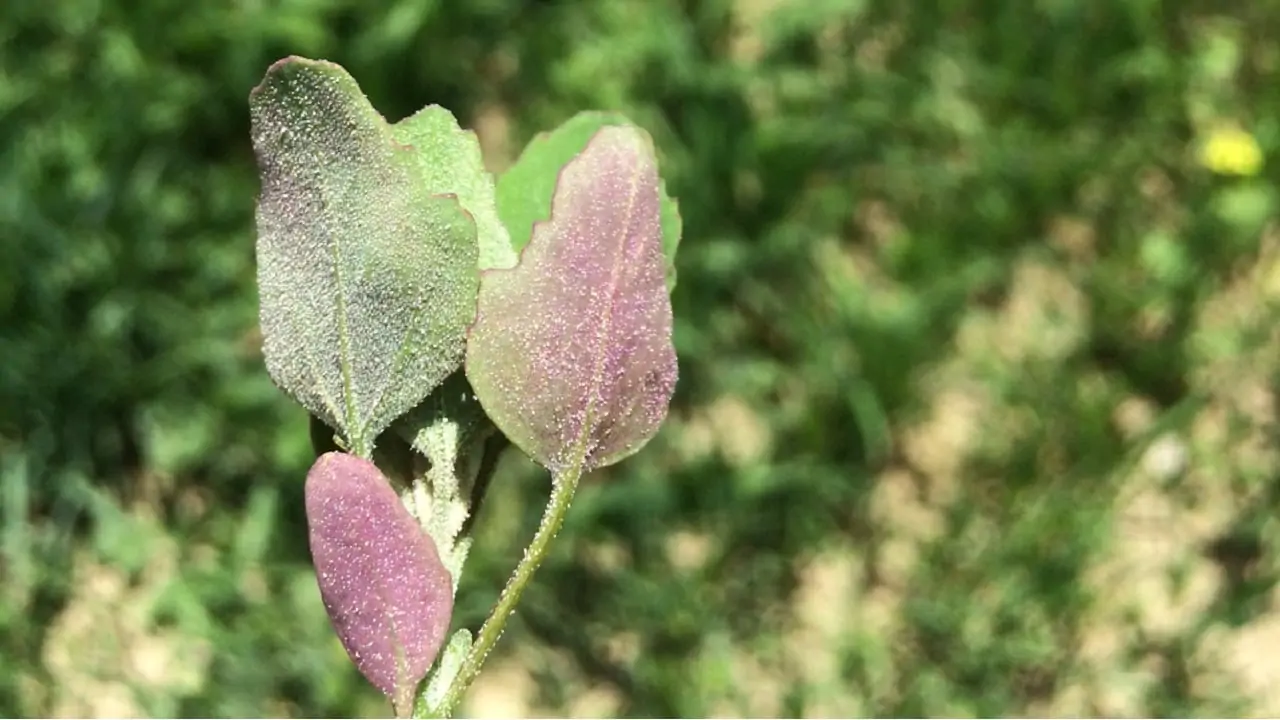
(563, 486)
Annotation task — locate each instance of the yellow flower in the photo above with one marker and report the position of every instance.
(1230, 150)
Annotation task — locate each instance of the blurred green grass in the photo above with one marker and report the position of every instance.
(977, 404)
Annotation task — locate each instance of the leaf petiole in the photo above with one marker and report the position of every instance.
(563, 485)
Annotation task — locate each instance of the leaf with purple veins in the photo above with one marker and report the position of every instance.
(388, 596)
(571, 352)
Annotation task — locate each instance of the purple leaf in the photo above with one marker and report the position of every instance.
(388, 596)
(571, 352)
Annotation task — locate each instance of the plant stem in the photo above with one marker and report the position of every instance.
(490, 454)
(563, 485)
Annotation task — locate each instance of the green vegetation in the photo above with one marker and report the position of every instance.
(976, 408)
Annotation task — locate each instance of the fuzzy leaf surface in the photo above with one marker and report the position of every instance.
(450, 162)
(571, 352)
(389, 597)
(367, 280)
(526, 188)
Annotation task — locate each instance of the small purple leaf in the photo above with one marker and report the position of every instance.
(389, 597)
(571, 352)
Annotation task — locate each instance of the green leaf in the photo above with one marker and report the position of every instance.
(367, 280)
(450, 162)
(525, 189)
(571, 352)
(446, 670)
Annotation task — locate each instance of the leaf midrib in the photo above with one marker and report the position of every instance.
(579, 457)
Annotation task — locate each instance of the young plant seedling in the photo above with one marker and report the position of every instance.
(426, 319)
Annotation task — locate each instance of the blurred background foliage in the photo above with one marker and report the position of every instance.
(978, 356)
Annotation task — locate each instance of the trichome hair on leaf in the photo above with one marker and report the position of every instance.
(571, 352)
(525, 190)
(388, 595)
(367, 280)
